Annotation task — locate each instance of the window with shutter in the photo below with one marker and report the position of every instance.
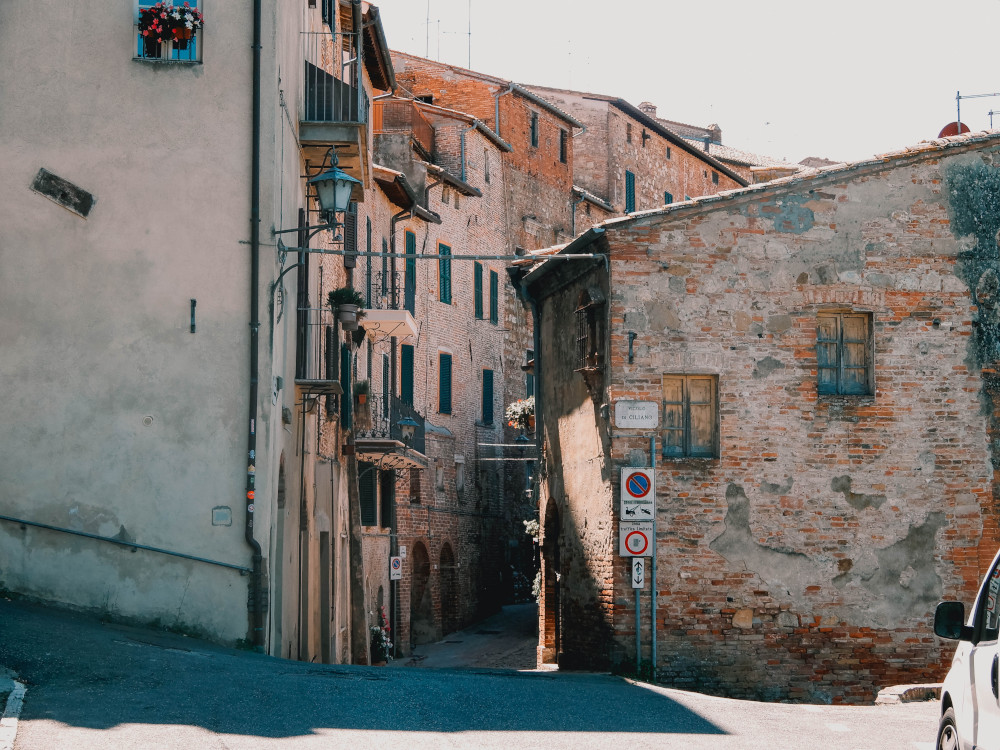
(629, 192)
(387, 497)
(368, 266)
(534, 129)
(690, 416)
(351, 228)
(410, 273)
(668, 198)
(487, 397)
(844, 354)
(529, 378)
(494, 297)
(477, 283)
(367, 493)
(406, 374)
(444, 383)
(563, 146)
(444, 274)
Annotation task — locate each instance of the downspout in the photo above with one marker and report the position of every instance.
(573, 216)
(496, 107)
(356, 23)
(461, 141)
(256, 583)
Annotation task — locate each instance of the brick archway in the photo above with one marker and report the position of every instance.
(449, 591)
(423, 629)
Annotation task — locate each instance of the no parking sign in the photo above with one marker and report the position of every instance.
(638, 494)
(395, 568)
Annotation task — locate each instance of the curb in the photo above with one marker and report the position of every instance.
(908, 694)
(14, 692)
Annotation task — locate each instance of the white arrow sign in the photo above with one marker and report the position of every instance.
(638, 572)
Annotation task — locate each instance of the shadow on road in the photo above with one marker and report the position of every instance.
(82, 673)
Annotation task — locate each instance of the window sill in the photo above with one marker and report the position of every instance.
(161, 61)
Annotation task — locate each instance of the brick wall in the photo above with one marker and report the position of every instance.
(804, 562)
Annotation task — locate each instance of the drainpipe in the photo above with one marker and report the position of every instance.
(356, 18)
(461, 141)
(496, 110)
(256, 583)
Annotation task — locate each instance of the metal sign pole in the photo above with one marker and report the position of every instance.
(638, 629)
(652, 590)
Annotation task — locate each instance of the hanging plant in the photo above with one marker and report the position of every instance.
(348, 304)
(521, 413)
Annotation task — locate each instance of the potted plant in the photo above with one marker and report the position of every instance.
(164, 22)
(361, 391)
(521, 413)
(380, 645)
(348, 304)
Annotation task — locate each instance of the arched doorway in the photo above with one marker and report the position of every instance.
(550, 603)
(422, 626)
(449, 591)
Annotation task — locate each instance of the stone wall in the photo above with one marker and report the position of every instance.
(804, 561)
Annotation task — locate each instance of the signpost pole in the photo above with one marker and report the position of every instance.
(638, 629)
(652, 585)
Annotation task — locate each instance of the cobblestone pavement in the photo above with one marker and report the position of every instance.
(507, 640)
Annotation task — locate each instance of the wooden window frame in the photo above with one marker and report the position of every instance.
(838, 367)
(690, 427)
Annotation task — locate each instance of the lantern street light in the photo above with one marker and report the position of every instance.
(407, 426)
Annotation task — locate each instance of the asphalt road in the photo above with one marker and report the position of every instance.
(94, 685)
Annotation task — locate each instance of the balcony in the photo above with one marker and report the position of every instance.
(380, 439)
(316, 352)
(385, 316)
(402, 116)
(333, 106)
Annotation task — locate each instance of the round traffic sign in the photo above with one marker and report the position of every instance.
(396, 563)
(637, 484)
(636, 542)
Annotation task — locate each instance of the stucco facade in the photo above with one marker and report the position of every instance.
(807, 520)
(128, 393)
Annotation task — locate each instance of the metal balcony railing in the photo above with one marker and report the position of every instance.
(316, 352)
(331, 90)
(386, 412)
(387, 291)
(389, 116)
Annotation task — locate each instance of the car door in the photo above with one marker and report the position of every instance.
(985, 661)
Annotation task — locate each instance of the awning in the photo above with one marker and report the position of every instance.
(389, 454)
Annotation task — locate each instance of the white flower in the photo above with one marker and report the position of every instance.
(189, 25)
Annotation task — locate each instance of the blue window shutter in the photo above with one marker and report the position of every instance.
(487, 396)
(444, 275)
(406, 374)
(629, 192)
(494, 297)
(667, 199)
(477, 279)
(444, 383)
(410, 282)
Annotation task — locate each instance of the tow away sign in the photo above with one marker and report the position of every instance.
(638, 494)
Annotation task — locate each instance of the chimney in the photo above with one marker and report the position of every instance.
(716, 133)
(648, 108)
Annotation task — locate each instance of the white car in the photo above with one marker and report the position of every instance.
(970, 698)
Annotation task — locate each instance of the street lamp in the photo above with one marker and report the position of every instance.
(333, 188)
(523, 441)
(407, 426)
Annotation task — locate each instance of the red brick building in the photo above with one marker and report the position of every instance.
(820, 353)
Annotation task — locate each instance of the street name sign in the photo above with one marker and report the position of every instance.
(638, 494)
(635, 538)
(637, 415)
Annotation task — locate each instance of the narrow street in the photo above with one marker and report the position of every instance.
(96, 685)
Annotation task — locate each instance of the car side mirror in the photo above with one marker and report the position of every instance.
(949, 622)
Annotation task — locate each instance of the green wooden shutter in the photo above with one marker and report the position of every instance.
(487, 396)
(629, 192)
(410, 282)
(477, 282)
(346, 402)
(444, 383)
(406, 374)
(494, 297)
(444, 274)
(387, 492)
(366, 493)
(668, 198)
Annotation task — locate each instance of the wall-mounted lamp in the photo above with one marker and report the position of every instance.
(333, 191)
(407, 426)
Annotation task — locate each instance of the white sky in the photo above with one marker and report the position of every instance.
(787, 78)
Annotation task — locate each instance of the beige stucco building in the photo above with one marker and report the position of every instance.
(158, 462)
